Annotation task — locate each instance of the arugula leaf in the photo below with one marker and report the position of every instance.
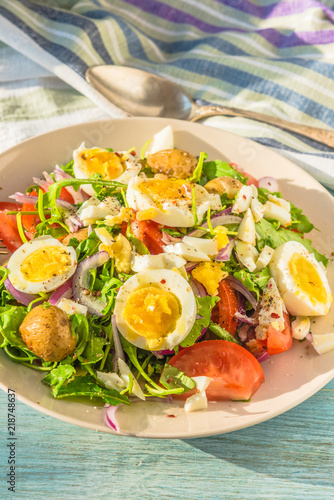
(172, 378)
(222, 333)
(204, 308)
(304, 225)
(87, 247)
(274, 238)
(94, 351)
(172, 232)
(81, 331)
(68, 168)
(49, 198)
(253, 281)
(57, 377)
(86, 386)
(219, 168)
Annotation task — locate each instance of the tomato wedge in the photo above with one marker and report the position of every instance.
(148, 232)
(236, 373)
(9, 233)
(66, 196)
(227, 307)
(277, 341)
(251, 179)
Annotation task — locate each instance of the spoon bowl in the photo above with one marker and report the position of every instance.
(141, 93)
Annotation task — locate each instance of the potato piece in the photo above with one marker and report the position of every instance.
(80, 235)
(173, 162)
(222, 185)
(47, 333)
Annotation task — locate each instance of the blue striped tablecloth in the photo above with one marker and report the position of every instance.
(274, 57)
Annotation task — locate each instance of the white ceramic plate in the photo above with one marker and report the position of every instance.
(291, 377)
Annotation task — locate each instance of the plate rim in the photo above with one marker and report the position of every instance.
(73, 420)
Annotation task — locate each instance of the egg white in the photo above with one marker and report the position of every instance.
(174, 212)
(296, 300)
(16, 276)
(169, 281)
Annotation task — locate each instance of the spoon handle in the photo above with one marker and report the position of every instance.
(317, 134)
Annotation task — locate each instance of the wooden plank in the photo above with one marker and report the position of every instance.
(291, 456)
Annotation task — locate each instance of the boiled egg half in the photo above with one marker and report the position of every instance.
(41, 265)
(113, 166)
(155, 309)
(301, 280)
(169, 201)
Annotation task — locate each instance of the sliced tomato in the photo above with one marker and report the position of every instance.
(236, 373)
(277, 341)
(9, 233)
(30, 222)
(148, 232)
(66, 196)
(227, 307)
(251, 179)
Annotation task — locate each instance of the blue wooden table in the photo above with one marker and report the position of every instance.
(290, 456)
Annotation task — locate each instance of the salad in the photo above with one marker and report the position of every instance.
(162, 275)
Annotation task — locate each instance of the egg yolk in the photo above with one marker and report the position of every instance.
(307, 279)
(100, 161)
(209, 274)
(160, 190)
(153, 314)
(46, 263)
(221, 236)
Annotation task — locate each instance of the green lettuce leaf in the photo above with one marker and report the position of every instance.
(172, 378)
(272, 237)
(11, 318)
(219, 168)
(204, 308)
(86, 386)
(57, 377)
(299, 220)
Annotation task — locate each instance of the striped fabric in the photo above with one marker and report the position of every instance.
(274, 57)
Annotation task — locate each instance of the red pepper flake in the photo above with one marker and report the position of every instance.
(244, 196)
(163, 281)
(171, 416)
(133, 153)
(274, 315)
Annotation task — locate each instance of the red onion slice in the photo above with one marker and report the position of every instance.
(24, 198)
(216, 220)
(119, 353)
(309, 337)
(111, 419)
(190, 265)
(198, 288)
(263, 356)
(21, 297)
(77, 196)
(225, 253)
(237, 285)
(246, 319)
(269, 183)
(81, 283)
(65, 290)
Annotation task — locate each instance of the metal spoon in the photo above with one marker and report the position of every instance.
(145, 94)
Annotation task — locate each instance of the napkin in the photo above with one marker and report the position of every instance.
(274, 58)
